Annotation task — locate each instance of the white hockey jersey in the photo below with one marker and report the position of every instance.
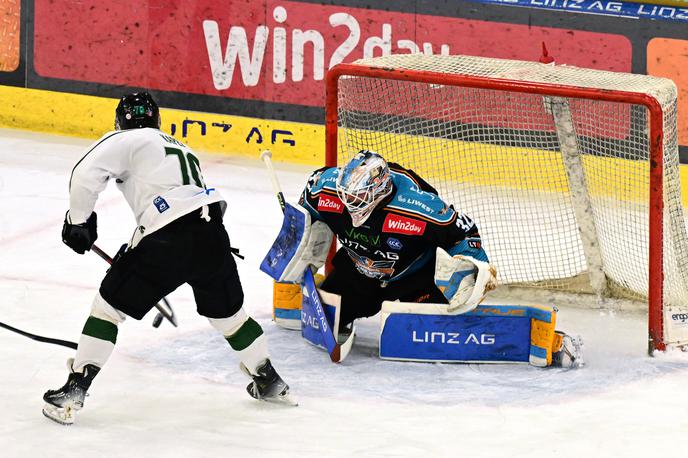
(159, 176)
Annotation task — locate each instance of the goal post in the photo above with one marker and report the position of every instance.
(571, 174)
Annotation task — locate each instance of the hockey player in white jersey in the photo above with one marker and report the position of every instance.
(180, 239)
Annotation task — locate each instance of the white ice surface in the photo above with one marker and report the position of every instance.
(178, 392)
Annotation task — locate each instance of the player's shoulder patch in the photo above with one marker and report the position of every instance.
(410, 200)
(323, 179)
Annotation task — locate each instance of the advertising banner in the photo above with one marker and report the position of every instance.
(250, 74)
(274, 51)
(630, 9)
(683, 3)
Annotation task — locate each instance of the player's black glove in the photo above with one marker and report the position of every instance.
(80, 237)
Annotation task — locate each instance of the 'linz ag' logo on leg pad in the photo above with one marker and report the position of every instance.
(401, 225)
(454, 338)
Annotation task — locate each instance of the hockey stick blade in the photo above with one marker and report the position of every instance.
(50, 340)
(168, 315)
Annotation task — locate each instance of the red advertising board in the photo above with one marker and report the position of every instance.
(276, 51)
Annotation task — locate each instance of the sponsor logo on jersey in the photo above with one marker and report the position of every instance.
(401, 225)
(394, 244)
(370, 268)
(354, 235)
(415, 203)
(473, 243)
(330, 179)
(330, 204)
(355, 247)
(160, 204)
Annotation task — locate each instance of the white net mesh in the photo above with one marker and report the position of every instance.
(559, 186)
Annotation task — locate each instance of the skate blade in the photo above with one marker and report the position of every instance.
(286, 400)
(61, 415)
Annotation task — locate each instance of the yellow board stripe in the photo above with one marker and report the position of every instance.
(509, 166)
(90, 117)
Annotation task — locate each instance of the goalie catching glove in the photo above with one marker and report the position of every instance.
(298, 246)
(463, 279)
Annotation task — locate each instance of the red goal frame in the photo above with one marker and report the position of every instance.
(656, 227)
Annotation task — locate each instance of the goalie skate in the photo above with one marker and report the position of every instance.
(268, 386)
(570, 353)
(62, 404)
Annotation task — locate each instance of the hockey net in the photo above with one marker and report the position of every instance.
(571, 174)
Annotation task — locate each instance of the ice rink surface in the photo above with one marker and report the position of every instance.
(179, 393)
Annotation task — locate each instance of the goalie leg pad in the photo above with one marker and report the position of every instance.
(313, 329)
(489, 333)
(299, 245)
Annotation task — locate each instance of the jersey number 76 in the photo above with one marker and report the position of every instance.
(188, 163)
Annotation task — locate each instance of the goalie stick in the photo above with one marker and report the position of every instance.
(165, 311)
(337, 351)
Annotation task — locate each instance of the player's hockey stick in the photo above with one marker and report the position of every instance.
(50, 340)
(165, 311)
(337, 351)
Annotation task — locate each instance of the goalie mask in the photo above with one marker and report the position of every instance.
(137, 110)
(362, 184)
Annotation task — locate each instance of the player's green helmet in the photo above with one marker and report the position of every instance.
(362, 184)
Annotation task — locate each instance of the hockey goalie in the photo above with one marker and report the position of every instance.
(407, 253)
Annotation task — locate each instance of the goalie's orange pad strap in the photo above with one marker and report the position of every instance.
(286, 299)
(542, 337)
(557, 342)
(286, 295)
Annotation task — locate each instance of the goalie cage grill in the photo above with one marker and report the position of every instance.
(571, 174)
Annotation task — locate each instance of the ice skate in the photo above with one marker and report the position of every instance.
(62, 404)
(268, 386)
(570, 352)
